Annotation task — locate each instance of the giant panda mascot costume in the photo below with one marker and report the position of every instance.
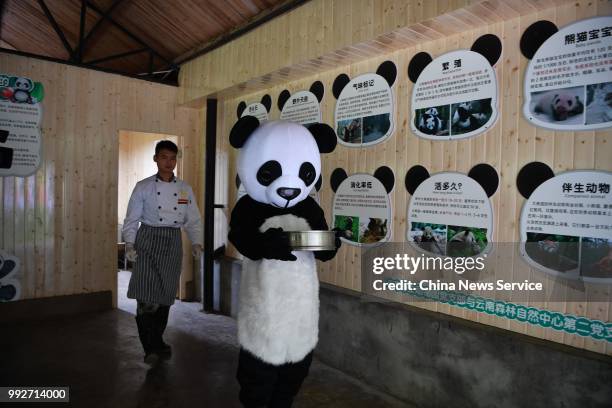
(278, 316)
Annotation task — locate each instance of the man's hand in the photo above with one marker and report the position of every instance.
(130, 252)
(196, 250)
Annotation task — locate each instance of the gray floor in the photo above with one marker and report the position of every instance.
(99, 357)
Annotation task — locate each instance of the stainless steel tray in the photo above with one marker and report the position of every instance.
(312, 240)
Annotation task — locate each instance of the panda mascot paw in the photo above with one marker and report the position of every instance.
(278, 316)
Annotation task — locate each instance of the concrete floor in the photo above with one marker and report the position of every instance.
(100, 358)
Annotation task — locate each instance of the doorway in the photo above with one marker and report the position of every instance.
(136, 150)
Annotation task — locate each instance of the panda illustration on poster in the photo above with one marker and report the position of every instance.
(365, 106)
(450, 213)
(362, 205)
(20, 119)
(567, 82)
(302, 107)
(455, 95)
(565, 222)
(10, 288)
(279, 163)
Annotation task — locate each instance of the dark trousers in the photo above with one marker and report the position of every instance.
(267, 385)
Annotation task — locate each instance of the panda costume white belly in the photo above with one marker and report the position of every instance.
(278, 314)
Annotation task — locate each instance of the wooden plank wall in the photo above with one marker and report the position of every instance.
(507, 146)
(309, 31)
(61, 222)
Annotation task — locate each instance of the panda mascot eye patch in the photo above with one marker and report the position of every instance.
(268, 172)
(307, 173)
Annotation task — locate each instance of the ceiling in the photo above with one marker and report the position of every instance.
(144, 38)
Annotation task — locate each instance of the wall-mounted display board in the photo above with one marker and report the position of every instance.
(361, 206)
(20, 118)
(302, 107)
(455, 95)
(450, 214)
(566, 222)
(365, 106)
(568, 82)
(258, 109)
(10, 289)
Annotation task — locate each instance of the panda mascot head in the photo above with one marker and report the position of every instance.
(280, 161)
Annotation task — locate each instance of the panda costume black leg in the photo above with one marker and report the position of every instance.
(279, 293)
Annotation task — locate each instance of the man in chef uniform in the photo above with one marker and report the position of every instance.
(161, 204)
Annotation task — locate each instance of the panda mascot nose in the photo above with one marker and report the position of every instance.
(288, 193)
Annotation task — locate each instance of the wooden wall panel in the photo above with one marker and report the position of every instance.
(62, 221)
(507, 146)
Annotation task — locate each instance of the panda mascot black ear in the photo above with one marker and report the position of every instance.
(489, 46)
(336, 178)
(486, 176)
(388, 71)
(339, 84)
(241, 107)
(242, 130)
(385, 175)
(318, 90)
(283, 97)
(535, 35)
(266, 101)
(319, 183)
(531, 176)
(417, 65)
(414, 177)
(325, 137)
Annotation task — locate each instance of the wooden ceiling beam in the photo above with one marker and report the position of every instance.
(129, 34)
(57, 29)
(102, 19)
(115, 56)
(79, 49)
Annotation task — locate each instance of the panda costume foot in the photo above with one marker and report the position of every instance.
(268, 385)
(278, 316)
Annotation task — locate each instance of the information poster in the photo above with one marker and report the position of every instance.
(568, 83)
(362, 210)
(566, 226)
(303, 108)
(454, 97)
(364, 111)
(450, 214)
(20, 118)
(257, 110)
(10, 289)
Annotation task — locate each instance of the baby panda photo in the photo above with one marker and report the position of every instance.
(599, 103)
(559, 105)
(433, 120)
(469, 116)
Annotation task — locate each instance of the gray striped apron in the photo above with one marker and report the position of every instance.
(158, 267)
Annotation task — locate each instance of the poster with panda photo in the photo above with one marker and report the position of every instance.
(365, 106)
(449, 214)
(302, 107)
(568, 82)
(20, 118)
(362, 207)
(454, 97)
(566, 223)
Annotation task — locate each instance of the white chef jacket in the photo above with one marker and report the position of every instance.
(158, 203)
